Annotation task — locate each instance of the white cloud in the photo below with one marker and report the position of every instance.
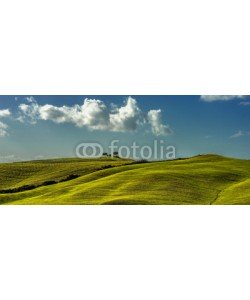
(239, 134)
(4, 113)
(3, 129)
(212, 98)
(154, 118)
(95, 115)
(31, 99)
(29, 112)
(126, 118)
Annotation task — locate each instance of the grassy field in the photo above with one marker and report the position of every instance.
(205, 179)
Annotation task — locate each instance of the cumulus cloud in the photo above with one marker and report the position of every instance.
(239, 134)
(29, 112)
(126, 118)
(4, 113)
(212, 98)
(3, 129)
(154, 118)
(95, 115)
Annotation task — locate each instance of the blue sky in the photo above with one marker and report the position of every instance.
(34, 127)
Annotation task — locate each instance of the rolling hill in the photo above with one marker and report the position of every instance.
(204, 179)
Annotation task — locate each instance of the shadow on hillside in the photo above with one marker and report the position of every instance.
(29, 187)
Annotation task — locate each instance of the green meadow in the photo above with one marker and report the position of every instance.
(204, 179)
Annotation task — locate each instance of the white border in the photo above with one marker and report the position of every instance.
(106, 47)
(160, 252)
(124, 48)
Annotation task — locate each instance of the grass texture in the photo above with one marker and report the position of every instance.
(204, 179)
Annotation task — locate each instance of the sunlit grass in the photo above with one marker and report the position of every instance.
(207, 179)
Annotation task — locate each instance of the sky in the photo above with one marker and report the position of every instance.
(39, 127)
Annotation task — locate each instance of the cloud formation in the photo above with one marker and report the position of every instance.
(95, 115)
(3, 127)
(154, 118)
(212, 98)
(239, 134)
(4, 113)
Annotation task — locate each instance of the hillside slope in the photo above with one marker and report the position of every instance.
(14, 175)
(207, 179)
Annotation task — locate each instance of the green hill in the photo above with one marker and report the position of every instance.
(205, 179)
